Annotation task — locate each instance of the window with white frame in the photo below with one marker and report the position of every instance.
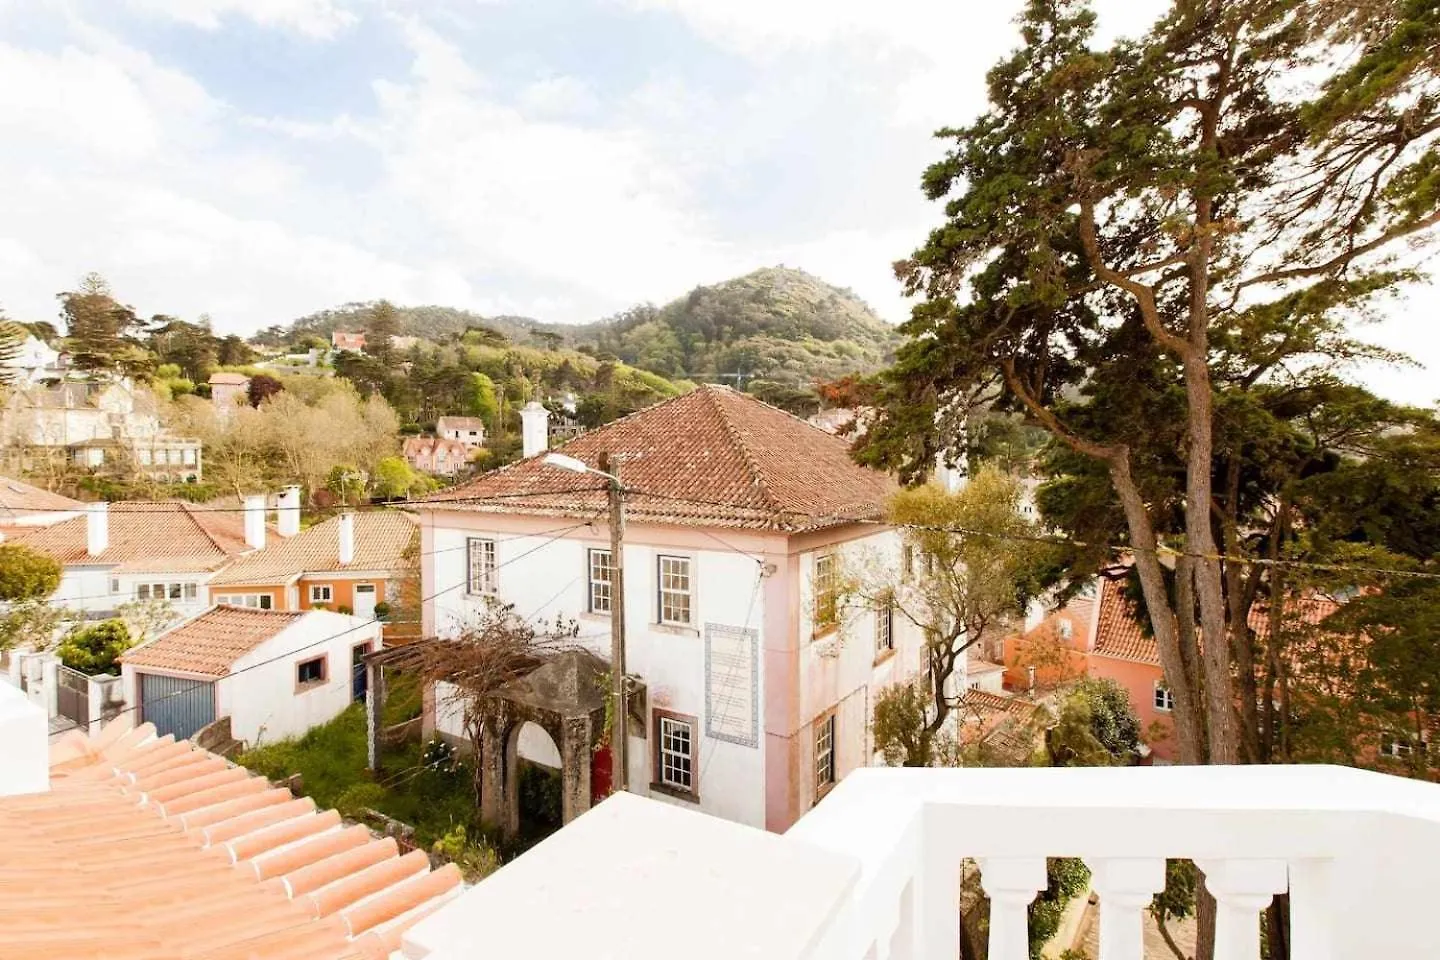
(114, 585)
(164, 591)
(480, 560)
(321, 593)
(824, 754)
(1399, 746)
(675, 752)
(189, 458)
(1164, 699)
(600, 575)
(884, 626)
(676, 586)
(827, 590)
(255, 601)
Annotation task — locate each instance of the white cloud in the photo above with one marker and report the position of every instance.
(320, 19)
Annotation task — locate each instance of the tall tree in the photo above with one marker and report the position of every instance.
(382, 324)
(1127, 226)
(97, 326)
(12, 339)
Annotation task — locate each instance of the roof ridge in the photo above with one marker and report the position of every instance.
(760, 481)
(189, 511)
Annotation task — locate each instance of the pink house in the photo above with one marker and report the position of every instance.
(437, 455)
(345, 340)
(755, 680)
(1098, 635)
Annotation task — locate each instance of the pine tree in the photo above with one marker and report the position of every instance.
(383, 323)
(96, 324)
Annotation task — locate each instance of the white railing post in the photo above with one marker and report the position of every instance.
(938, 924)
(1126, 888)
(1242, 888)
(1011, 883)
(1311, 907)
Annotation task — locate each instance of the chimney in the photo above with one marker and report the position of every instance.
(255, 521)
(287, 514)
(347, 538)
(97, 528)
(534, 429)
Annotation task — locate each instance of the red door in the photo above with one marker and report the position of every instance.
(600, 765)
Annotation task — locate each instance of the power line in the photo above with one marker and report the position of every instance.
(323, 640)
(185, 506)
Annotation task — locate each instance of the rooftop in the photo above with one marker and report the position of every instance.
(153, 849)
(157, 536)
(210, 644)
(460, 423)
(20, 502)
(234, 379)
(712, 457)
(383, 542)
(1118, 632)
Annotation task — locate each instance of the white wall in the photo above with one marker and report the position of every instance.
(24, 729)
(264, 704)
(550, 583)
(92, 589)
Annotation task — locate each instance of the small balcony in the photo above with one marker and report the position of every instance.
(873, 872)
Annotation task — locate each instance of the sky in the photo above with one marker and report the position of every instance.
(257, 160)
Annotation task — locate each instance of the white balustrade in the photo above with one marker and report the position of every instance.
(1358, 853)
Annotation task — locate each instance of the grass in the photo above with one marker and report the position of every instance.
(433, 797)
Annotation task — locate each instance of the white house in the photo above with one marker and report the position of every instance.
(34, 361)
(468, 430)
(741, 520)
(274, 673)
(142, 550)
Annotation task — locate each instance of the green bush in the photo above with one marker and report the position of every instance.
(26, 573)
(356, 799)
(95, 650)
(1066, 878)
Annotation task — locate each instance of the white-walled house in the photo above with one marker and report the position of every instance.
(274, 673)
(757, 703)
(141, 550)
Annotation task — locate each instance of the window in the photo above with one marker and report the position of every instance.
(190, 458)
(191, 591)
(1399, 745)
(827, 591)
(144, 457)
(1164, 699)
(675, 590)
(1067, 629)
(310, 672)
(907, 561)
(175, 591)
(114, 585)
(481, 557)
(675, 752)
(884, 626)
(602, 588)
(824, 754)
(321, 593)
(255, 601)
(142, 592)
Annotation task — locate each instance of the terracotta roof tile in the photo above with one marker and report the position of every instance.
(987, 706)
(383, 539)
(1118, 633)
(231, 379)
(156, 536)
(95, 869)
(460, 423)
(211, 643)
(711, 457)
(20, 502)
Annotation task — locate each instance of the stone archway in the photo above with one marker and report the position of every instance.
(566, 698)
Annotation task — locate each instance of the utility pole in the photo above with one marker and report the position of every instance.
(619, 726)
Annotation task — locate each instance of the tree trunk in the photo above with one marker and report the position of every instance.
(1204, 919)
(1162, 616)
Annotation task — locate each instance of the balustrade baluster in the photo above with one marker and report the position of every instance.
(1011, 883)
(1242, 888)
(1126, 888)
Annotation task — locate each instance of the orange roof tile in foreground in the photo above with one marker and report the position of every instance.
(712, 458)
(1118, 633)
(133, 853)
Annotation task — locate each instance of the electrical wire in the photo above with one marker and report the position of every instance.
(324, 640)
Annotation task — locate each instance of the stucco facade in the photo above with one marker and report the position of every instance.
(749, 674)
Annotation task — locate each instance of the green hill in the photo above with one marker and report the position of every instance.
(774, 324)
(427, 322)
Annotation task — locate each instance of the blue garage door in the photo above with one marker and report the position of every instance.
(176, 705)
